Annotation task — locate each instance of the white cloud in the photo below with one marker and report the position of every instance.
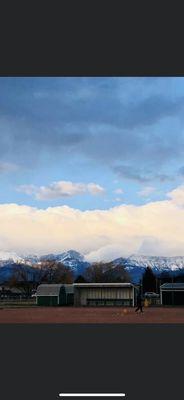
(156, 228)
(94, 189)
(146, 191)
(61, 189)
(110, 252)
(177, 195)
(118, 199)
(118, 191)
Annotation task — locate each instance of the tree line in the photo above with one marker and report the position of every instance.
(151, 282)
(26, 279)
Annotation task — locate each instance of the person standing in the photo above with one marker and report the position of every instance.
(139, 303)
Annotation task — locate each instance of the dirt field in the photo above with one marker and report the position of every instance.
(90, 315)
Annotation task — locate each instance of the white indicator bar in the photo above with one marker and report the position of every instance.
(92, 394)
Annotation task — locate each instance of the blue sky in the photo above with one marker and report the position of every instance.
(123, 135)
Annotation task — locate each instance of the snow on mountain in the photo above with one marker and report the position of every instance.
(71, 258)
(156, 262)
(134, 264)
(71, 255)
(31, 259)
(9, 257)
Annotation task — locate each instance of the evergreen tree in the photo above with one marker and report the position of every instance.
(80, 279)
(149, 281)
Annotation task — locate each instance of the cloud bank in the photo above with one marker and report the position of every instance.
(122, 122)
(156, 228)
(61, 189)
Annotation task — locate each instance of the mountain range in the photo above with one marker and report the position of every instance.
(135, 264)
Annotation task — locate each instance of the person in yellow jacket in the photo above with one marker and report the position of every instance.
(146, 303)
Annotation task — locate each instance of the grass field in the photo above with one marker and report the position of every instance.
(90, 315)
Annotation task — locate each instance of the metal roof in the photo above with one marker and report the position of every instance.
(49, 290)
(53, 289)
(172, 286)
(90, 285)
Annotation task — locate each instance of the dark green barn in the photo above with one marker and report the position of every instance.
(69, 295)
(172, 294)
(54, 295)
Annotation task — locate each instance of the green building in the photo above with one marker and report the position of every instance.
(54, 295)
(172, 294)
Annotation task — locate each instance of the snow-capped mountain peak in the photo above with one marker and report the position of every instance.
(10, 256)
(157, 262)
(135, 264)
(71, 254)
(70, 258)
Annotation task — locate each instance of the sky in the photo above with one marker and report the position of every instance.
(92, 164)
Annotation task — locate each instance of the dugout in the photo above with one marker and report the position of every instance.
(54, 295)
(104, 294)
(172, 294)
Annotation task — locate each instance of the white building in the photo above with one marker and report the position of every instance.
(104, 294)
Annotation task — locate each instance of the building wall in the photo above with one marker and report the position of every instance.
(103, 296)
(172, 298)
(69, 299)
(63, 299)
(47, 300)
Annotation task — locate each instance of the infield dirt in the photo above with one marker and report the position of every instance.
(91, 315)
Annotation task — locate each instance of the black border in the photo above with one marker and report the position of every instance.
(40, 361)
(91, 38)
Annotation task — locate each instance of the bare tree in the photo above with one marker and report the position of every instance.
(23, 279)
(106, 272)
(51, 271)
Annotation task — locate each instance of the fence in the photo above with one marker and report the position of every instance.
(148, 302)
(17, 302)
